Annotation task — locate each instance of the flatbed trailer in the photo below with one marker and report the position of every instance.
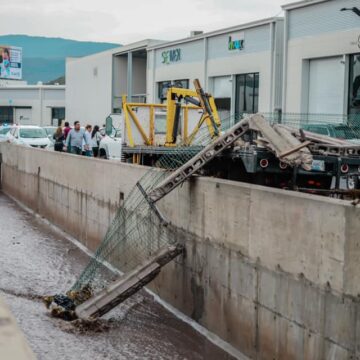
(260, 166)
(271, 155)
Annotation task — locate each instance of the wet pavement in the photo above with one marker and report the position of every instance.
(35, 261)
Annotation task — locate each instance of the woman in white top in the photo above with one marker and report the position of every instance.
(95, 140)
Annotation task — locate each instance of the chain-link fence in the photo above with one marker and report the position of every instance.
(334, 125)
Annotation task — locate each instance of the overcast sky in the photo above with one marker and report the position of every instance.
(123, 22)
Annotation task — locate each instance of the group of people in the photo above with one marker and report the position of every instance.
(77, 140)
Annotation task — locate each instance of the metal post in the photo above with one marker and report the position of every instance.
(0, 170)
(41, 104)
(129, 76)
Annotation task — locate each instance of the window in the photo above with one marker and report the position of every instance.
(222, 89)
(5, 130)
(164, 85)
(247, 93)
(33, 133)
(6, 114)
(354, 87)
(318, 129)
(57, 115)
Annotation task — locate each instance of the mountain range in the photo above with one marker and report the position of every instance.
(43, 58)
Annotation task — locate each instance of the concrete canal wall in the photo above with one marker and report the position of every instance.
(274, 273)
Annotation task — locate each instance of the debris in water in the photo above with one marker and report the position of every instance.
(81, 326)
(63, 306)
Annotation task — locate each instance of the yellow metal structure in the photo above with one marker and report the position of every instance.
(175, 102)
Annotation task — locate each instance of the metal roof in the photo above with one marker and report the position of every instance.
(217, 32)
(302, 3)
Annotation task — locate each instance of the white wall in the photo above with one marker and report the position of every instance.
(139, 75)
(317, 31)
(120, 80)
(210, 57)
(259, 62)
(190, 66)
(40, 98)
(89, 88)
(303, 49)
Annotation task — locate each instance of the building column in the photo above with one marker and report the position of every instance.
(41, 98)
(206, 82)
(130, 76)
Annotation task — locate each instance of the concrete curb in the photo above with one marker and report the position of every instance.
(13, 344)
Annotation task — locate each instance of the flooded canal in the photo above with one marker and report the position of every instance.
(37, 261)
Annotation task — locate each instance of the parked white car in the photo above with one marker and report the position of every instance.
(50, 131)
(3, 132)
(110, 146)
(34, 136)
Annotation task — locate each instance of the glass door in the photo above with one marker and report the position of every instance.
(354, 90)
(247, 94)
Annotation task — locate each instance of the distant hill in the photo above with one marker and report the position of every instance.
(60, 81)
(44, 58)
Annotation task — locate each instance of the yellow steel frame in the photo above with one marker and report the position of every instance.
(171, 114)
(149, 139)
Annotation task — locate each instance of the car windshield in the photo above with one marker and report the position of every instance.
(4, 131)
(345, 132)
(33, 133)
(322, 130)
(50, 130)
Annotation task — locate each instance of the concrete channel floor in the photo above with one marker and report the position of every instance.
(37, 261)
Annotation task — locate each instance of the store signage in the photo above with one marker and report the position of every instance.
(170, 56)
(235, 44)
(10, 62)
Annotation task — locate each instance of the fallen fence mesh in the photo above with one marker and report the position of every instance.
(136, 232)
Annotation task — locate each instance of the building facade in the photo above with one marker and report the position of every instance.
(240, 66)
(305, 63)
(42, 105)
(321, 58)
(96, 83)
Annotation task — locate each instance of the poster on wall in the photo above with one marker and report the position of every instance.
(10, 62)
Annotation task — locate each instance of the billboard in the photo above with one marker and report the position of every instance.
(10, 62)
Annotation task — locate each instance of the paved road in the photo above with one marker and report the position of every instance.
(36, 261)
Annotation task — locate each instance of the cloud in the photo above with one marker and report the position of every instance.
(123, 21)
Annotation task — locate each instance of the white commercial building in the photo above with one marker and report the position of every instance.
(322, 57)
(96, 83)
(306, 63)
(241, 66)
(42, 105)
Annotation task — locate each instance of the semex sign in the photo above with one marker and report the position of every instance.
(235, 44)
(170, 56)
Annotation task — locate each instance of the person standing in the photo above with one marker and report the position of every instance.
(59, 139)
(75, 139)
(67, 129)
(88, 142)
(95, 140)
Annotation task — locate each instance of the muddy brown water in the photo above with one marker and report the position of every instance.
(35, 261)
